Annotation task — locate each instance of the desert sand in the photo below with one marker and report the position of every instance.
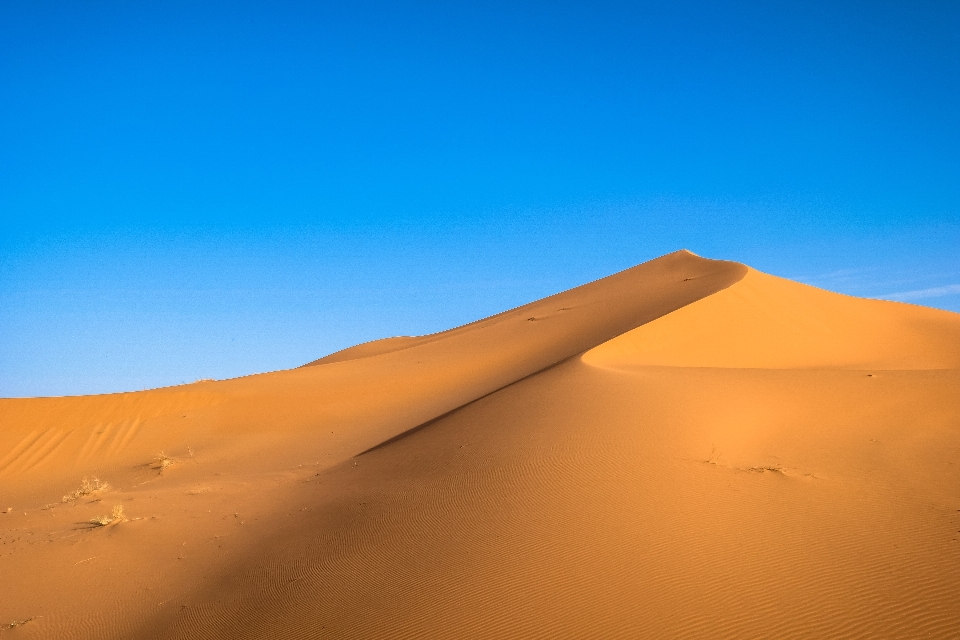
(686, 449)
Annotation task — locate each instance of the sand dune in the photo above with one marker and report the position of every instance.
(689, 448)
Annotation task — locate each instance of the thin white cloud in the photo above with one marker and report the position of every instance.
(935, 292)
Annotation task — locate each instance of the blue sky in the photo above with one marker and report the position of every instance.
(199, 189)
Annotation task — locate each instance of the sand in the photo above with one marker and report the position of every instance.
(689, 448)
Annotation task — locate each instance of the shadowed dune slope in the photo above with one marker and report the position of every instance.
(688, 449)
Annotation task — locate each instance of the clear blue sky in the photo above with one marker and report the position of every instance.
(201, 189)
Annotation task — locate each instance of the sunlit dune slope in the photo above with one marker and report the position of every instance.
(767, 322)
(687, 449)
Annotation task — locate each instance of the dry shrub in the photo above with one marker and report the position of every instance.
(162, 461)
(87, 488)
(114, 518)
(17, 623)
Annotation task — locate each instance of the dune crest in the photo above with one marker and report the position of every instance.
(370, 349)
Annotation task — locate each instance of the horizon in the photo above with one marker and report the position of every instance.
(204, 191)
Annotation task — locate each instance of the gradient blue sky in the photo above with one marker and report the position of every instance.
(199, 189)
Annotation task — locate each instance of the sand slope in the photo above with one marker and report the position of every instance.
(686, 449)
(771, 323)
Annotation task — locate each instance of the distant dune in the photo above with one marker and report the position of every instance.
(687, 449)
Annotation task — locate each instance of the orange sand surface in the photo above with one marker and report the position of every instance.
(689, 448)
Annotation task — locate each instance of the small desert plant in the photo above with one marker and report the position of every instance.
(113, 518)
(87, 488)
(773, 468)
(162, 461)
(714, 456)
(17, 623)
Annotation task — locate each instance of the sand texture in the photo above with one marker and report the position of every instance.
(686, 449)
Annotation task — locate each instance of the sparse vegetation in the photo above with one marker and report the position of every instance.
(18, 623)
(116, 517)
(774, 469)
(87, 488)
(714, 459)
(162, 461)
(714, 456)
